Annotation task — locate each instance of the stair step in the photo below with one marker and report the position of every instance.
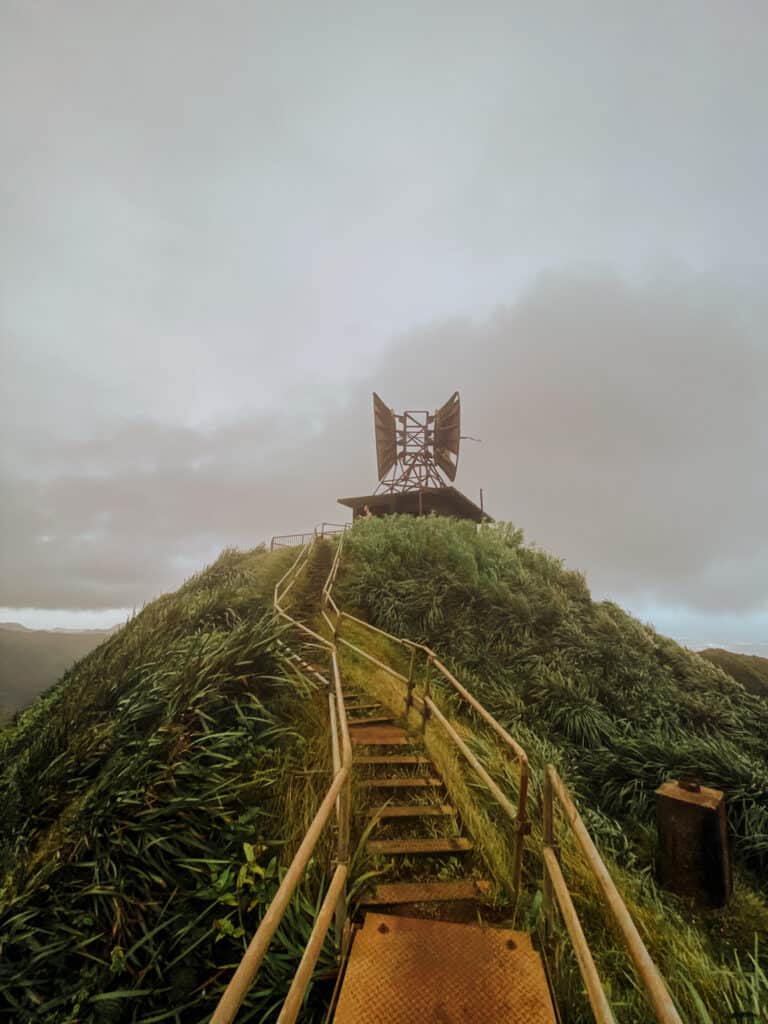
(393, 759)
(412, 782)
(378, 736)
(364, 707)
(410, 846)
(374, 720)
(428, 892)
(414, 969)
(412, 811)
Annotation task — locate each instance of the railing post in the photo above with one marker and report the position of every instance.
(411, 683)
(522, 828)
(549, 841)
(427, 690)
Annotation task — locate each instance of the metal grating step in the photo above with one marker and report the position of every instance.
(403, 970)
(428, 892)
(378, 736)
(399, 759)
(412, 811)
(406, 782)
(397, 847)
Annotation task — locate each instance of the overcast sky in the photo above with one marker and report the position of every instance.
(222, 225)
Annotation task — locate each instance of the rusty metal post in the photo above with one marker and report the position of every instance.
(427, 690)
(411, 683)
(549, 842)
(345, 798)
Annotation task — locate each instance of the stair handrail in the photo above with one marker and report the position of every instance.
(517, 815)
(652, 982)
(338, 799)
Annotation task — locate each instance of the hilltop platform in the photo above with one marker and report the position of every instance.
(443, 501)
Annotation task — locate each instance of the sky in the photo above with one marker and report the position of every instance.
(223, 226)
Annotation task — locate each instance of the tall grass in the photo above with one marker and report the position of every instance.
(617, 707)
(150, 800)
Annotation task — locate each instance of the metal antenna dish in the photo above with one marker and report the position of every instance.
(386, 446)
(447, 435)
(414, 448)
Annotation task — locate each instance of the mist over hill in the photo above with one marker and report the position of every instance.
(749, 669)
(31, 660)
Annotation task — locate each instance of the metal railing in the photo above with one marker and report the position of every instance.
(429, 710)
(554, 883)
(293, 540)
(651, 981)
(336, 798)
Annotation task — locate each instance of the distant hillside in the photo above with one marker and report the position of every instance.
(31, 660)
(748, 669)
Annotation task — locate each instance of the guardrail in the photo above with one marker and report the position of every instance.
(555, 885)
(429, 710)
(293, 540)
(337, 797)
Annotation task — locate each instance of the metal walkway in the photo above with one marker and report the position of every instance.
(404, 970)
(410, 963)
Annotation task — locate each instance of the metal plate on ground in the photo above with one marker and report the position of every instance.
(406, 970)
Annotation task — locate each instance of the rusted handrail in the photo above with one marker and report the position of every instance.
(429, 709)
(334, 904)
(651, 980)
(292, 540)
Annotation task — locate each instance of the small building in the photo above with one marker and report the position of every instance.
(442, 501)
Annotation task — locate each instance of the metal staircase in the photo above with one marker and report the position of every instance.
(428, 948)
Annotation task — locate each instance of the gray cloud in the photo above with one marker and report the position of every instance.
(222, 231)
(623, 427)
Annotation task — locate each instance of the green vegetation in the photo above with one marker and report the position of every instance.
(616, 707)
(750, 670)
(31, 660)
(145, 820)
(153, 797)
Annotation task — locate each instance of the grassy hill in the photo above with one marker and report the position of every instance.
(152, 797)
(31, 660)
(750, 670)
(144, 818)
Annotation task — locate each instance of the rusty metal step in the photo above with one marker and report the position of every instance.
(373, 720)
(378, 736)
(428, 892)
(416, 846)
(397, 759)
(412, 811)
(402, 969)
(406, 782)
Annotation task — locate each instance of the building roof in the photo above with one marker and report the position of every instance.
(445, 501)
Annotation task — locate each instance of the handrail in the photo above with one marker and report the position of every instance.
(554, 882)
(430, 710)
(336, 798)
(292, 540)
(650, 977)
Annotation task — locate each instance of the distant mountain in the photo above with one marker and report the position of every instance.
(750, 670)
(31, 660)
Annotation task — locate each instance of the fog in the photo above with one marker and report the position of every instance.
(223, 230)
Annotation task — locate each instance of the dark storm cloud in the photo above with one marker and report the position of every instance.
(623, 427)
